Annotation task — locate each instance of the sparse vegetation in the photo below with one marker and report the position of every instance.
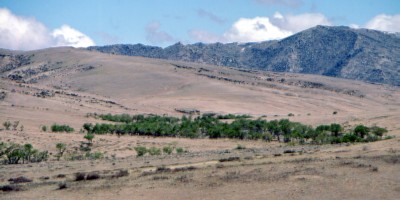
(94, 156)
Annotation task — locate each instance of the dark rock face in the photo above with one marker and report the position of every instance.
(344, 52)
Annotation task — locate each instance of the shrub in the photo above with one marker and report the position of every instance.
(15, 125)
(7, 125)
(168, 149)
(154, 151)
(140, 151)
(350, 138)
(61, 128)
(94, 156)
(40, 156)
(240, 147)
(180, 150)
(61, 147)
(89, 137)
(44, 128)
(378, 131)
(88, 127)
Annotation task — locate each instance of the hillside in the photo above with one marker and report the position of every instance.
(69, 86)
(357, 54)
(142, 85)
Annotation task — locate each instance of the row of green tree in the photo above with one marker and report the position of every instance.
(210, 126)
(14, 153)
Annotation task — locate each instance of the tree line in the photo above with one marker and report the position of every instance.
(211, 126)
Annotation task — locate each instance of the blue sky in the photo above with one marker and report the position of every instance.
(164, 22)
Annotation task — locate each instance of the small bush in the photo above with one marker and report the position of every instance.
(180, 150)
(94, 156)
(240, 147)
(168, 149)
(61, 128)
(7, 125)
(140, 151)
(89, 137)
(154, 151)
(44, 128)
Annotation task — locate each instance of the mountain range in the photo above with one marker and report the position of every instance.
(336, 51)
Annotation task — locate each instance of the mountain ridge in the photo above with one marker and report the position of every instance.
(336, 51)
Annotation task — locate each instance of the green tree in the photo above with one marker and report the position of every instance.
(61, 147)
(88, 127)
(13, 153)
(378, 131)
(361, 130)
(27, 152)
(336, 129)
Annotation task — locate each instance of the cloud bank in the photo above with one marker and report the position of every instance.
(263, 28)
(22, 33)
(389, 23)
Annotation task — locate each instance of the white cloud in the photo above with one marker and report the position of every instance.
(297, 23)
(22, 33)
(67, 36)
(389, 23)
(157, 36)
(255, 30)
(263, 28)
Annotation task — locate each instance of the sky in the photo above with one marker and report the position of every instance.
(36, 24)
